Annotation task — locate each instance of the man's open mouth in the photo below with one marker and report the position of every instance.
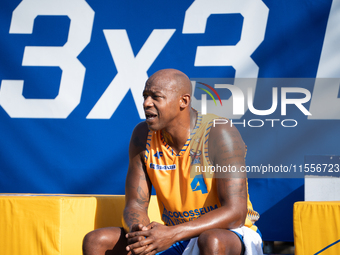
(150, 116)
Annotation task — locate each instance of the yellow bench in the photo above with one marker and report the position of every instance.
(317, 228)
(56, 224)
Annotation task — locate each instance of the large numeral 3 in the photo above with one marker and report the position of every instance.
(65, 57)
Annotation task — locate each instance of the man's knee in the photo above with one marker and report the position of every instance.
(95, 237)
(208, 241)
(102, 240)
(219, 241)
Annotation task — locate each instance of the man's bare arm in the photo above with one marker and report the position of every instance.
(226, 147)
(230, 151)
(138, 186)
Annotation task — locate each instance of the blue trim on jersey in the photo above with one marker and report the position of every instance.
(176, 248)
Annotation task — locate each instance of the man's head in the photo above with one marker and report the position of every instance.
(166, 98)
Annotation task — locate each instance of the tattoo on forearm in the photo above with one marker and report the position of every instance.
(143, 198)
(131, 218)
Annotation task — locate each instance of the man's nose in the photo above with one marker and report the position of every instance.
(147, 102)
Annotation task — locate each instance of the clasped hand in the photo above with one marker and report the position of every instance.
(150, 239)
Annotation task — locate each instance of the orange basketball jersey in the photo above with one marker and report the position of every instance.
(183, 195)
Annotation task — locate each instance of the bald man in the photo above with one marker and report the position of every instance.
(165, 151)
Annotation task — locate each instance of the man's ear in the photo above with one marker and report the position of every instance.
(185, 101)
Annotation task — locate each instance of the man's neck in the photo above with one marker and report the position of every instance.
(178, 136)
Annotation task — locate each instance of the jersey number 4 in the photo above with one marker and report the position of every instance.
(199, 184)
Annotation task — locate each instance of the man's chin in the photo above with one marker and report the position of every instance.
(153, 126)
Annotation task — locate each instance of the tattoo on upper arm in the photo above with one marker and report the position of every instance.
(231, 149)
(234, 187)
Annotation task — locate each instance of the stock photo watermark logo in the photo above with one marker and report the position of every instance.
(272, 101)
(204, 97)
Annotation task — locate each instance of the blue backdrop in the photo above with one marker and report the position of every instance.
(72, 74)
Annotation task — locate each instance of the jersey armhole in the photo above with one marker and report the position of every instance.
(147, 146)
(206, 142)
